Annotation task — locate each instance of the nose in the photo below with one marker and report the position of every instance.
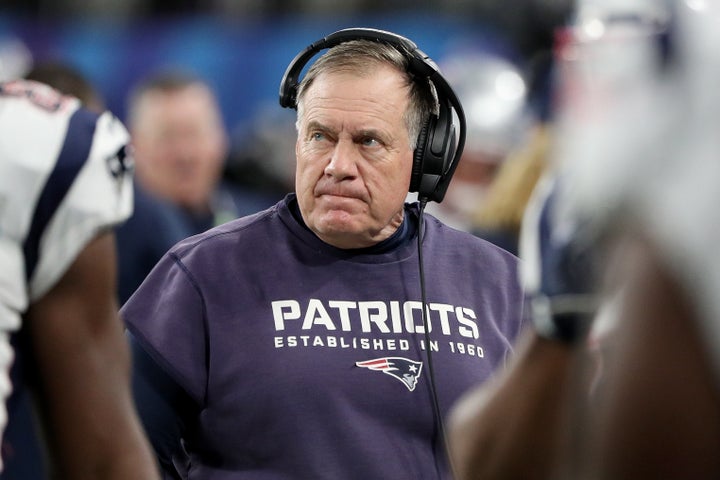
(343, 162)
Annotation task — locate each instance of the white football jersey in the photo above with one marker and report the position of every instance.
(64, 176)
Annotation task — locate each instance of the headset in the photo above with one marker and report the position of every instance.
(441, 140)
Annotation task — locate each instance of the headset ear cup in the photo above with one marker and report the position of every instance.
(418, 159)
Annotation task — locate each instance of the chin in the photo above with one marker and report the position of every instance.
(346, 233)
(337, 229)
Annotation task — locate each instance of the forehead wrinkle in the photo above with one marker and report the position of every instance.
(326, 85)
(318, 115)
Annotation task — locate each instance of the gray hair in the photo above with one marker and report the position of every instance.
(355, 56)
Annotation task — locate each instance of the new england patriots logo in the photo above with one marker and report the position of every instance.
(403, 369)
(121, 163)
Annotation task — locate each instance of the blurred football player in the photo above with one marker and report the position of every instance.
(634, 189)
(64, 183)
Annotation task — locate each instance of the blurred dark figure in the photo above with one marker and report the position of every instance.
(262, 154)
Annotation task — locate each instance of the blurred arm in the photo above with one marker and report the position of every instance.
(515, 425)
(83, 372)
(659, 415)
(510, 428)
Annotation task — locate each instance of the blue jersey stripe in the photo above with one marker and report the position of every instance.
(72, 157)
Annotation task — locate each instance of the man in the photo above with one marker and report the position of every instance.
(180, 145)
(180, 148)
(293, 343)
(636, 179)
(64, 184)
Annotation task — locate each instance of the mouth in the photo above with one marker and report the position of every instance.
(337, 193)
(337, 201)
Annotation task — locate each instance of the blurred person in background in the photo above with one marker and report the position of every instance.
(65, 181)
(181, 145)
(621, 238)
(494, 93)
(499, 217)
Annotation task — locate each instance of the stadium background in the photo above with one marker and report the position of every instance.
(243, 47)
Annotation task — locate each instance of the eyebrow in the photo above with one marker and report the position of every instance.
(364, 133)
(315, 125)
(372, 133)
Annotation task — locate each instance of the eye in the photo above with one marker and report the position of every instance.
(317, 136)
(370, 142)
